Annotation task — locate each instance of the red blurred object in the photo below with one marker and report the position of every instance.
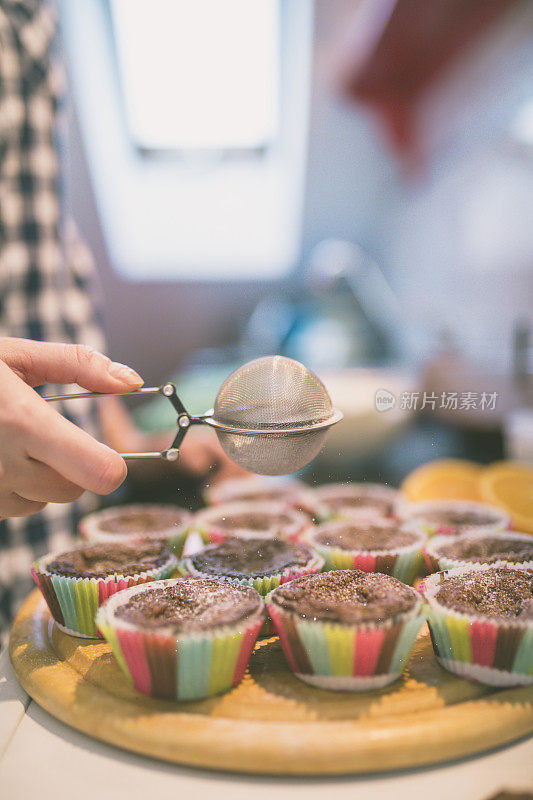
(399, 47)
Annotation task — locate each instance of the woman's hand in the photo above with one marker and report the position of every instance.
(44, 457)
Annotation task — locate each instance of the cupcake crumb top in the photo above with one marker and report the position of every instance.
(149, 520)
(496, 592)
(365, 536)
(103, 560)
(488, 549)
(254, 521)
(458, 518)
(346, 596)
(251, 558)
(191, 604)
(371, 497)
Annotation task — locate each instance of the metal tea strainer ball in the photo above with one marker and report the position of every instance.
(271, 416)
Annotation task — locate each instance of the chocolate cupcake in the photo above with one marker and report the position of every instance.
(376, 545)
(76, 581)
(447, 552)
(336, 501)
(183, 639)
(451, 517)
(346, 630)
(481, 622)
(250, 520)
(122, 523)
(257, 489)
(261, 563)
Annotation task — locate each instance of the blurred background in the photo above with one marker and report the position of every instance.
(348, 184)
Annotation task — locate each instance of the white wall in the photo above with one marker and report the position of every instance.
(457, 244)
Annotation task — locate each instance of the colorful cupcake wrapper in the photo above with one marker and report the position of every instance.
(73, 602)
(325, 513)
(412, 514)
(405, 563)
(206, 522)
(504, 649)
(487, 675)
(89, 526)
(338, 683)
(359, 657)
(437, 562)
(238, 490)
(262, 585)
(177, 542)
(184, 667)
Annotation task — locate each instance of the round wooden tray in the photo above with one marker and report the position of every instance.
(271, 723)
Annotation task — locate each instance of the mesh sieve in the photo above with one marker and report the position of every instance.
(272, 415)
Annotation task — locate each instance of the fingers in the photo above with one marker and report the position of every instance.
(30, 427)
(77, 457)
(44, 457)
(40, 483)
(12, 505)
(52, 362)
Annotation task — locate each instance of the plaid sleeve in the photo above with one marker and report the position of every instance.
(47, 280)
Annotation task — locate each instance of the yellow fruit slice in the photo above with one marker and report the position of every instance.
(509, 484)
(444, 479)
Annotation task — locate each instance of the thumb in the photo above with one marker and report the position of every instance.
(55, 362)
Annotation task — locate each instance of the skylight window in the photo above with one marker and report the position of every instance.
(200, 75)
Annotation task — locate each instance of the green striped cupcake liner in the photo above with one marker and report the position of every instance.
(73, 602)
(325, 511)
(184, 666)
(90, 527)
(207, 522)
(343, 657)
(413, 515)
(405, 563)
(437, 562)
(263, 585)
(492, 651)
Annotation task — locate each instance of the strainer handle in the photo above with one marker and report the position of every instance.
(168, 390)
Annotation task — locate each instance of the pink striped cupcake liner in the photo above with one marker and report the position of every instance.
(328, 500)
(92, 527)
(413, 514)
(343, 657)
(184, 666)
(278, 521)
(497, 652)
(73, 602)
(263, 585)
(404, 563)
(437, 561)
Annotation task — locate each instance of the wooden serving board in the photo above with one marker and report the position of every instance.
(271, 723)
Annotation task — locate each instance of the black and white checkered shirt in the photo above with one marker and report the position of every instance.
(46, 273)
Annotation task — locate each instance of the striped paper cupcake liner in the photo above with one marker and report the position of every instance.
(436, 562)
(73, 602)
(89, 527)
(178, 667)
(206, 522)
(492, 651)
(344, 657)
(413, 515)
(405, 563)
(263, 585)
(291, 492)
(324, 512)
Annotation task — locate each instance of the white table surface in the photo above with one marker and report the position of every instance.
(39, 755)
